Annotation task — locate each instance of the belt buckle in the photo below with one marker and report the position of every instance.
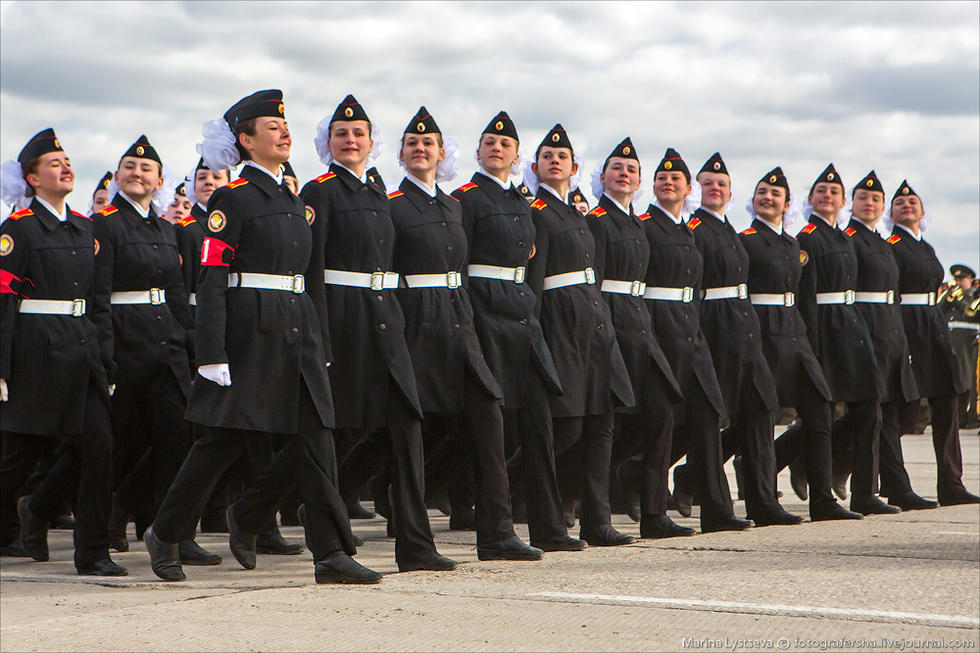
(687, 294)
(519, 274)
(848, 297)
(77, 307)
(932, 298)
(298, 284)
(377, 280)
(156, 296)
(743, 291)
(789, 299)
(452, 280)
(890, 297)
(637, 288)
(589, 276)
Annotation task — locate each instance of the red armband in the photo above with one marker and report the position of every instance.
(213, 250)
(6, 278)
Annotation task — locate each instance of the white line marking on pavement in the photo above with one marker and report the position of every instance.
(853, 614)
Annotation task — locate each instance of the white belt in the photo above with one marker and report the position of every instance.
(886, 297)
(919, 298)
(741, 291)
(955, 324)
(685, 294)
(497, 272)
(192, 299)
(449, 280)
(73, 307)
(786, 299)
(153, 296)
(578, 277)
(634, 288)
(294, 283)
(372, 280)
(842, 297)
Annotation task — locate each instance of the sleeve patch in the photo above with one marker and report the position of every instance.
(597, 212)
(804, 257)
(538, 204)
(241, 181)
(466, 187)
(217, 221)
(693, 223)
(23, 213)
(809, 229)
(212, 252)
(325, 177)
(6, 244)
(894, 239)
(392, 195)
(749, 231)
(850, 231)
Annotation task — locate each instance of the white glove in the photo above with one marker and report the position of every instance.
(218, 373)
(112, 389)
(3, 390)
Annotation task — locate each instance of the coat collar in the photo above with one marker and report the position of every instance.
(263, 181)
(490, 186)
(132, 218)
(423, 202)
(351, 182)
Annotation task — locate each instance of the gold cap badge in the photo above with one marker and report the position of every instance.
(282, 109)
(348, 112)
(555, 138)
(626, 150)
(139, 150)
(499, 126)
(421, 127)
(668, 165)
(772, 179)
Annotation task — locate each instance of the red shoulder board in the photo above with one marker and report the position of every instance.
(597, 212)
(893, 240)
(107, 210)
(241, 181)
(466, 187)
(23, 213)
(693, 223)
(643, 216)
(850, 231)
(808, 229)
(324, 177)
(749, 231)
(538, 204)
(395, 194)
(81, 215)
(186, 220)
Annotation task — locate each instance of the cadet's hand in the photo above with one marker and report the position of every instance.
(218, 373)
(3, 390)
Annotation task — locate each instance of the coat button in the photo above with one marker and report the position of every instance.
(689, 339)
(595, 302)
(445, 224)
(159, 317)
(163, 342)
(642, 331)
(382, 326)
(523, 320)
(750, 335)
(449, 248)
(456, 326)
(521, 243)
(381, 241)
(374, 213)
(517, 218)
(75, 283)
(155, 247)
(289, 272)
(599, 326)
(521, 293)
(295, 244)
(294, 330)
(381, 298)
(83, 341)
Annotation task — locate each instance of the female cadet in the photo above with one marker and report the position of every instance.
(621, 259)
(101, 195)
(190, 231)
(673, 275)
(374, 390)
(839, 335)
(180, 206)
(578, 329)
(452, 375)
(773, 281)
(53, 386)
(937, 373)
(141, 311)
(259, 335)
(500, 237)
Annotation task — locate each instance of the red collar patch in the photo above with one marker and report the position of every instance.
(749, 231)
(693, 223)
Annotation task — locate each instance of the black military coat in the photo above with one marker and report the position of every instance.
(837, 332)
(774, 268)
(47, 360)
(429, 239)
(937, 372)
(675, 262)
(367, 327)
(730, 326)
(272, 340)
(190, 238)
(878, 272)
(500, 232)
(622, 253)
(137, 254)
(576, 321)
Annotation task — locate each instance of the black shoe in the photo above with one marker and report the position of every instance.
(271, 542)
(831, 511)
(912, 501)
(338, 567)
(661, 526)
(683, 493)
(117, 544)
(511, 548)
(463, 519)
(242, 543)
(605, 535)
(725, 524)
(957, 499)
(798, 480)
(63, 523)
(567, 543)
(379, 491)
(104, 568)
(428, 561)
(14, 550)
(33, 532)
(779, 518)
(356, 511)
(192, 554)
(164, 557)
(873, 506)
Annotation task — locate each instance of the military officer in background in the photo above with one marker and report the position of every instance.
(960, 304)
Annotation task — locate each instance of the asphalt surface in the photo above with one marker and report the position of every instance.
(899, 582)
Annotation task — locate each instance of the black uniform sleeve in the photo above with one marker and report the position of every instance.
(177, 300)
(467, 218)
(599, 235)
(105, 261)
(13, 265)
(538, 264)
(317, 205)
(807, 300)
(217, 253)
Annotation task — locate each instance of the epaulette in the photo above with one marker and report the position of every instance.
(808, 229)
(107, 210)
(643, 216)
(395, 194)
(893, 239)
(465, 187)
(749, 231)
(693, 223)
(538, 204)
(597, 212)
(325, 176)
(241, 181)
(850, 231)
(81, 215)
(23, 213)
(186, 220)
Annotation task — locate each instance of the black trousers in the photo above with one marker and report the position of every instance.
(751, 434)
(891, 461)
(945, 442)
(855, 439)
(583, 451)
(811, 439)
(84, 462)
(398, 450)
(305, 462)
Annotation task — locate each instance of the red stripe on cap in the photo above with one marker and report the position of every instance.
(6, 278)
(212, 252)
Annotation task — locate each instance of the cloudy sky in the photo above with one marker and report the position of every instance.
(889, 86)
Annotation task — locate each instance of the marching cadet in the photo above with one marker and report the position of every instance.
(577, 200)
(53, 386)
(672, 279)
(578, 329)
(937, 371)
(839, 335)
(959, 304)
(180, 207)
(773, 283)
(259, 334)
(452, 375)
(731, 328)
(140, 309)
(500, 235)
(100, 197)
(621, 259)
(201, 183)
(375, 390)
